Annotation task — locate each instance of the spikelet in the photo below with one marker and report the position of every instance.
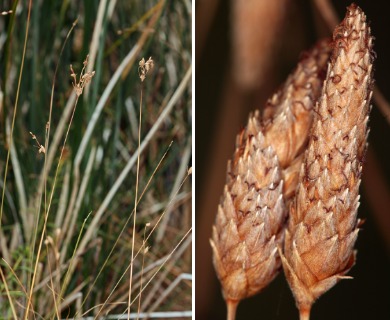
(252, 212)
(250, 220)
(323, 227)
(287, 117)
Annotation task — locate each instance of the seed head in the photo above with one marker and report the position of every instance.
(323, 227)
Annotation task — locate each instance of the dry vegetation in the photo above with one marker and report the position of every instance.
(96, 195)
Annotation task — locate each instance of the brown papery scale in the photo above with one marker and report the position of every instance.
(323, 226)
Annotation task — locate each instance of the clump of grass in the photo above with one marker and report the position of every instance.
(69, 232)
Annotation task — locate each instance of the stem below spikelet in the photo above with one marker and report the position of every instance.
(323, 227)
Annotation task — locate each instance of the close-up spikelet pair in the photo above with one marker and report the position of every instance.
(292, 192)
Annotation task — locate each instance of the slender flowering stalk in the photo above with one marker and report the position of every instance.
(323, 226)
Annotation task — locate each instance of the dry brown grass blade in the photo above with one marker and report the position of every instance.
(323, 226)
(8, 294)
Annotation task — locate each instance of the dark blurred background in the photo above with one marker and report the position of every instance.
(226, 91)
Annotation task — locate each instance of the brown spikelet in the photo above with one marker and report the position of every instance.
(323, 227)
(250, 219)
(288, 114)
(252, 212)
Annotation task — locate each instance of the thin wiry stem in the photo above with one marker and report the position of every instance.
(46, 168)
(120, 72)
(231, 309)
(49, 155)
(163, 264)
(71, 218)
(180, 175)
(72, 259)
(78, 87)
(15, 109)
(142, 248)
(8, 294)
(48, 211)
(122, 230)
(142, 273)
(172, 102)
(304, 314)
(14, 114)
(169, 289)
(51, 287)
(135, 200)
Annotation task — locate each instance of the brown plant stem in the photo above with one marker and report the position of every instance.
(382, 103)
(328, 13)
(304, 313)
(231, 308)
(377, 191)
(253, 50)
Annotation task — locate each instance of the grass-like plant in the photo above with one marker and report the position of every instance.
(95, 150)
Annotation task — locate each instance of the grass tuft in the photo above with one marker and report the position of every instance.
(88, 173)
